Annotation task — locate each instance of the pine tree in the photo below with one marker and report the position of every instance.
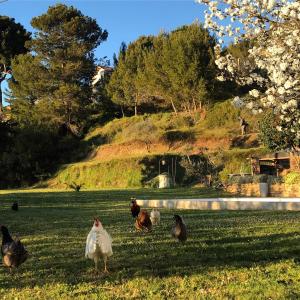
(181, 67)
(13, 37)
(126, 87)
(53, 81)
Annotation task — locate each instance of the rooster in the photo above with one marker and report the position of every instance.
(98, 244)
(135, 208)
(143, 221)
(179, 229)
(13, 252)
(155, 216)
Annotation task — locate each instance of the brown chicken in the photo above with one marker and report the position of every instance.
(13, 252)
(135, 208)
(143, 221)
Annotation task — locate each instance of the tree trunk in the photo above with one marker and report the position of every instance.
(200, 105)
(122, 111)
(189, 108)
(175, 171)
(135, 104)
(1, 100)
(173, 106)
(135, 109)
(189, 159)
(195, 106)
(185, 108)
(1, 104)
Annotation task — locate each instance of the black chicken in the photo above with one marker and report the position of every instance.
(15, 206)
(76, 187)
(179, 229)
(135, 208)
(13, 252)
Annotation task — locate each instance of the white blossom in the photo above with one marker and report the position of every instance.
(237, 102)
(275, 25)
(254, 93)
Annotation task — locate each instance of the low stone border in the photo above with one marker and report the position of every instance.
(275, 190)
(225, 203)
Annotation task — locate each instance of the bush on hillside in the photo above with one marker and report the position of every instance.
(222, 114)
(197, 168)
(143, 131)
(225, 114)
(292, 178)
(33, 153)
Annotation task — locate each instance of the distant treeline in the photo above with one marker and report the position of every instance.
(173, 70)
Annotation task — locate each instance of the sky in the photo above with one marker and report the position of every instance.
(125, 20)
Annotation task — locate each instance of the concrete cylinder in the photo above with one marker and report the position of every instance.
(264, 189)
(164, 181)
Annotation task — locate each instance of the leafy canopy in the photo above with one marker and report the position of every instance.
(61, 65)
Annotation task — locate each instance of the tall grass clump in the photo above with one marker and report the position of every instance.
(224, 114)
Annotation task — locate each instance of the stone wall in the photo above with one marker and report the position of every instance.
(275, 190)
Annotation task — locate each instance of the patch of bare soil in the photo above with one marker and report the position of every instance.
(138, 148)
(245, 141)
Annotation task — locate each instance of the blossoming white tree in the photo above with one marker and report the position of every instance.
(274, 58)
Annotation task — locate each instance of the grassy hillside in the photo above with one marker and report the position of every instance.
(228, 255)
(101, 174)
(117, 149)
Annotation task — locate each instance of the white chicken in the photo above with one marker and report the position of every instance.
(155, 216)
(98, 244)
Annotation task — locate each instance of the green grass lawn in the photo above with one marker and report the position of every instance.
(229, 254)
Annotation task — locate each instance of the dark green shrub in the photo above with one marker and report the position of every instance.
(292, 178)
(240, 179)
(197, 168)
(222, 114)
(260, 178)
(269, 135)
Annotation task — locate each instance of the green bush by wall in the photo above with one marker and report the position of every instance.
(292, 178)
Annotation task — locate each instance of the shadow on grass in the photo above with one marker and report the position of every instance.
(54, 227)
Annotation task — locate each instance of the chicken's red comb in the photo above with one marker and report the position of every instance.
(96, 221)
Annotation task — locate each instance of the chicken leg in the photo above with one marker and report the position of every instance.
(96, 260)
(105, 264)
